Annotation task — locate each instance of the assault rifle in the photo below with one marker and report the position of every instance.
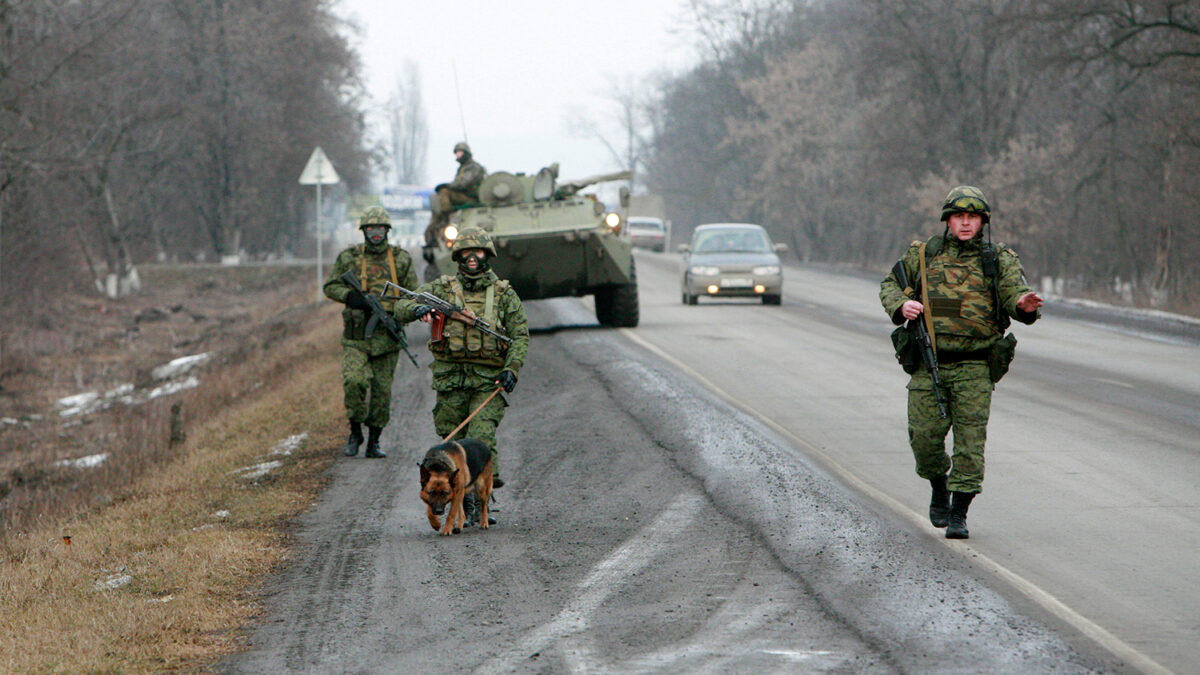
(921, 334)
(447, 309)
(379, 315)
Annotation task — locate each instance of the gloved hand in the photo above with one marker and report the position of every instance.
(427, 254)
(508, 380)
(355, 300)
(421, 310)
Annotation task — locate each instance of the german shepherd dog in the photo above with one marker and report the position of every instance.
(448, 472)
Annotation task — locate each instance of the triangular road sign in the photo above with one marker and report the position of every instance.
(319, 170)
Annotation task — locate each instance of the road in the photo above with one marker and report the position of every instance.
(727, 488)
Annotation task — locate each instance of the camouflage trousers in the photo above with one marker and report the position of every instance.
(453, 406)
(367, 382)
(967, 391)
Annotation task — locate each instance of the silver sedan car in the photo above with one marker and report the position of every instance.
(732, 260)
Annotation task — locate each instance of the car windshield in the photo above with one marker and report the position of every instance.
(739, 240)
(646, 225)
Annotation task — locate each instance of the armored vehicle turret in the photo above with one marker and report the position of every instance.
(551, 241)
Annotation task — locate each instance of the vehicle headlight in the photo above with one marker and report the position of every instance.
(705, 270)
(613, 220)
(450, 233)
(766, 270)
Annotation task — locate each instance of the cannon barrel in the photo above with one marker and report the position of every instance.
(572, 186)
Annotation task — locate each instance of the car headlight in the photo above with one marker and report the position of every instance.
(766, 270)
(613, 220)
(705, 270)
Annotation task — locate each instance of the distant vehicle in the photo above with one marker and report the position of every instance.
(648, 233)
(553, 241)
(732, 260)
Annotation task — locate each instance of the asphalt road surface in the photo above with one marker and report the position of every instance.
(728, 488)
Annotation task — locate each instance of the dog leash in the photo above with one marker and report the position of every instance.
(473, 414)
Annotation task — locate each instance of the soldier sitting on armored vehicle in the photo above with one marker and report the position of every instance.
(462, 191)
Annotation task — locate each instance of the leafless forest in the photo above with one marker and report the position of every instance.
(136, 130)
(841, 126)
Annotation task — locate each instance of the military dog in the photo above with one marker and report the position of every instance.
(450, 471)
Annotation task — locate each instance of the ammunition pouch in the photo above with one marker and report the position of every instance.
(354, 324)
(1000, 356)
(908, 353)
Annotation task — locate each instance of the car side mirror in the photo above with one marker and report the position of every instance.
(684, 248)
(781, 248)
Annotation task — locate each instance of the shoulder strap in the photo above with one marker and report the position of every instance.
(927, 314)
(990, 259)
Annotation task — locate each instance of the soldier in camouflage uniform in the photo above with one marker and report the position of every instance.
(462, 191)
(969, 311)
(368, 365)
(469, 365)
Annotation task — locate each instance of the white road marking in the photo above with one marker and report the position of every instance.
(572, 623)
(1115, 383)
(1050, 603)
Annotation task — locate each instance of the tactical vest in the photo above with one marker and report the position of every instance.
(372, 271)
(962, 296)
(461, 342)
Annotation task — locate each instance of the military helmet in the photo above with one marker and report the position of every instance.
(375, 215)
(462, 145)
(968, 199)
(472, 237)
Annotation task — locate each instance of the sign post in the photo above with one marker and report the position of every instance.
(318, 171)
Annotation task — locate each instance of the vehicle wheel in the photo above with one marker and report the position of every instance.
(687, 299)
(692, 299)
(772, 299)
(618, 305)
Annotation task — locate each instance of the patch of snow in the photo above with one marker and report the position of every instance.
(84, 462)
(289, 444)
(173, 387)
(179, 366)
(73, 405)
(113, 582)
(222, 514)
(258, 470)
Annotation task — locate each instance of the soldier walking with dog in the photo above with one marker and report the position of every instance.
(965, 290)
(470, 365)
(369, 356)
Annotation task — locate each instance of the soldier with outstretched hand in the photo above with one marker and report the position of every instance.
(369, 356)
(965, 289)
(469, 365)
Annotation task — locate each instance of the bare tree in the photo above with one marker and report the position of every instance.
(409, 142)
(624, 133)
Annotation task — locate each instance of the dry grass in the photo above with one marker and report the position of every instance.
(192, 574)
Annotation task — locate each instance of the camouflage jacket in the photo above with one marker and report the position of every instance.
(961, 303)
(476, 360)
(374, 260)
(468, 178)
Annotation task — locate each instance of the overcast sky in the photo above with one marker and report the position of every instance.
(524, 67)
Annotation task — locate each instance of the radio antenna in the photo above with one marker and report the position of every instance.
(461, 118)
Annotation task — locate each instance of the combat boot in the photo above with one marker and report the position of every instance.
(354, 441)
(959, 503)
(373, 442)
(939, 502)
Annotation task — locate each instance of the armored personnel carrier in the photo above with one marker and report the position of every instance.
(552, 241)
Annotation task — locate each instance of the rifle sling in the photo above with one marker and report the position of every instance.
(928, 313)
